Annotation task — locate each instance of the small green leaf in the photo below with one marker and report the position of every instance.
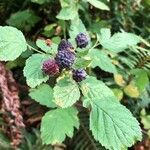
(98, 4)
(119, 41)
(43, 94)
(56, 124)
(66, 92)
(82, 62)
(52, 49)
(101, 59)
(33, 70)
(68, 13)
(141, 79)
(145, 119)
(23, 20)
(12, 43)
(40, 1)
(111, 123)
(76, 27)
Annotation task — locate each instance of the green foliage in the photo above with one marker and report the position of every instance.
(101, 59)
(32, 70)
(12, 43)
(39, 1)
(45, 47)
(66, 92)
(119, 41)
(69, 10)
(4, 142)
(76, 27)
(124, 53)
(43, 94)
(98, 4)
(107, 120)
(56, 124)
(23, 20)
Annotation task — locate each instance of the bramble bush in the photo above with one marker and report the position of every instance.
(62, 74)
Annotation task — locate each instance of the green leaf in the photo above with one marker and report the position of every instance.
(56, 124)
(82, 62)
(141, 79)
(33, 70)
(12, 43)
(145, 119)
(23, 20)
(101, 59)
(52, 49)
(66, 92)
(76, 27)
(40, 1)
(119, 41)
(5, 142)
(68, 13)
(44, 95)
(111, 123)
(98, 4)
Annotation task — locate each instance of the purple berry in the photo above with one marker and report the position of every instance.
(79, 75)
(64, 45)
(65, 59)
(82, 40)
(50, 67)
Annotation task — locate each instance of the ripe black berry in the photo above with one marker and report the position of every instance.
(64, 45)
(50, 67)
(79, 75)
(65, 58)
(82, 40)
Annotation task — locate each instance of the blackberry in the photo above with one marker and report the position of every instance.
(64, 45)
(65, 59)
(82, 40)
(50, 67)
(79, 75)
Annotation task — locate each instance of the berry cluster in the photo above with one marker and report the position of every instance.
(65, 58)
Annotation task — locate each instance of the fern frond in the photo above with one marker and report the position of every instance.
(135, 57)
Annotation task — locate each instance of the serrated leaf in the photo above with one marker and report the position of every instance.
(98, 4)
(119, 41)
(101, 59)
(52, 49)
(111, 123)
(12, 43)
(68, 13)
(66, 92)
(56, 124)
(44, 95)
(33, 70)
(23, 20)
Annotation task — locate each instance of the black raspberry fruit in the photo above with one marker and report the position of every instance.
(50, 67)
(82, 40)
(64, 45)
(79, 75)
(65, 59)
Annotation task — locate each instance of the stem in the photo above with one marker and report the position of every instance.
(95, 45)
(32, 48)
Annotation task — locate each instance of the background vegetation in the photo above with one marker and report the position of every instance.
(53, 19)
